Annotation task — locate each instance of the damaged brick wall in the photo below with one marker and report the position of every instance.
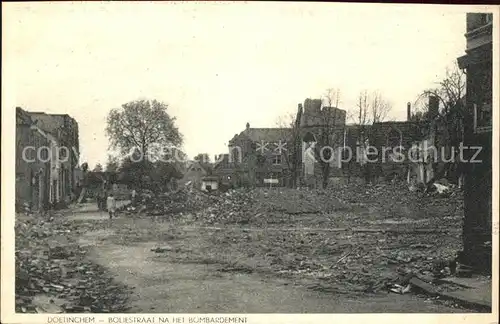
(32, 174)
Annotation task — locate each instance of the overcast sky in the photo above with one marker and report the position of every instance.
(219, 66)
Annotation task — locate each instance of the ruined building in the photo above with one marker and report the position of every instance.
(47, 152)
(263, 156)
(322, 126)
(255, 156)
(32, 174)
(478, 132)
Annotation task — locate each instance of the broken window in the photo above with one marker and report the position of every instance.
(62, 152)
(261, 160)
(44, 154)
(394, 138)
(260, 177)
(484, 94)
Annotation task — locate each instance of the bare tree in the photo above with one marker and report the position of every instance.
(363, 115)
(379, 108)
(327, 140)
(331, 98)
(363, 109)
(450, 93)
(290, 126)
(370, 108)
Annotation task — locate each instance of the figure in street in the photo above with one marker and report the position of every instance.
(111, 204)
(133, 197)
(101, 199)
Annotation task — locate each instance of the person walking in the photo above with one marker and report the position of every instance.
(104, 199)
(111, 205)
(99, 199)
(133, 196)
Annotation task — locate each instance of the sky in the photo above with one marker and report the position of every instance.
(220, 65)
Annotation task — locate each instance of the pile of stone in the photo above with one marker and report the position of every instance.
(51, 265)
(171, 204)
(234, 206)
(396, 201)
(349, 261)
(267, 206)
(359, 236)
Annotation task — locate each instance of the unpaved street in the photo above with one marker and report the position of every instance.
(283, 250)
(175, 267)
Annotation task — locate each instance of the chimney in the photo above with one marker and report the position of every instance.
(433, 107)
(248, 125)
(408, 111)
(299, 117)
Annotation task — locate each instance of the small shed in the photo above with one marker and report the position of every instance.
(209, 183)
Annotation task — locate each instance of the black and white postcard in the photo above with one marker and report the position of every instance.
(249, 162)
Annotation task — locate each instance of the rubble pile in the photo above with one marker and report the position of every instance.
(237, 206)
(181, 201)
(296, 202)
(357, 236)
(262, 207)
(350, 261)
(50, 264)
(394, 200)
(333, 207)
(232, 207)
(171, 203)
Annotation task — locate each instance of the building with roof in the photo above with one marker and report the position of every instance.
(209, 183)
(261, 155)
(257, 154)
(46, 158)
(225, 168)
(32, 173)
(387, 141)
(64, 128)
(194, 172)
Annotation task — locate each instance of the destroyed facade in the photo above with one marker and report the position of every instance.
(47, 152)
(263, 156)
(478, 65)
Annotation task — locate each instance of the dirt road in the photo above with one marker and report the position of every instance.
(183, 276)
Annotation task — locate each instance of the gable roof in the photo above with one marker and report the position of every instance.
(222, 159)
(210, 178)
(204, 166)
(265, 134)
